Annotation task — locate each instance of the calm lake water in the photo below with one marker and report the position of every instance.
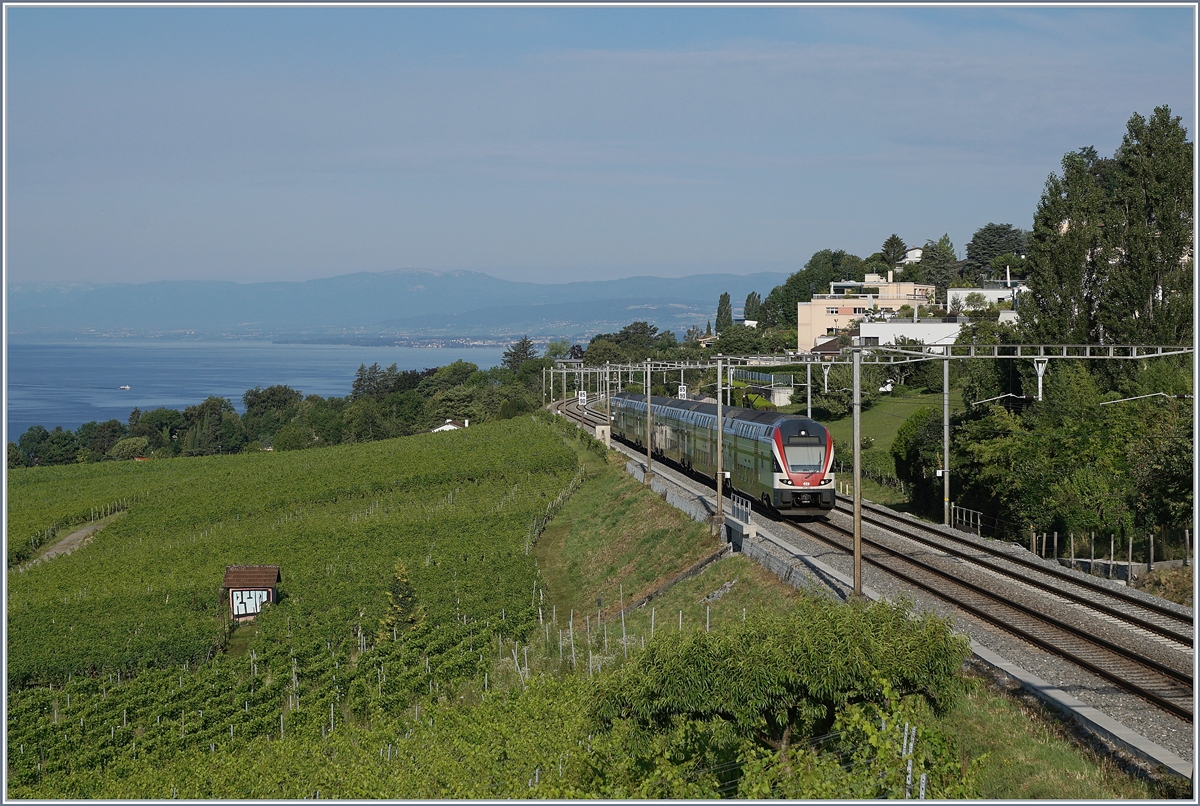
(70, 383)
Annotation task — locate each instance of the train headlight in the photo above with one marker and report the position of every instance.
(788, 482)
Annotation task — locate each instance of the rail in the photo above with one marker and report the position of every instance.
(1171, 691)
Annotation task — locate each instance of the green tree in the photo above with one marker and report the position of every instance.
(367, 381)
(365, 421)
(213, 427)
(267, 409)
(293, 437)
(129, 448)
(750, 311)
(520, 352)
(274, 398)
(893, 250)
(740, 340)
(15, 457)
(989, 242)
(1110, 258)
(824, 267)
(724, 313)
(602, 351)
(559, 348)
(1148, 296)
(1068, 258)
(939, 265)
(447, 377)
(636, 341)
(917, 453)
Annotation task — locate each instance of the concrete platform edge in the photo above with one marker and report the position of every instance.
(1094, 720)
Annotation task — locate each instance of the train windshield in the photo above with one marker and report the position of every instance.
(805, 453)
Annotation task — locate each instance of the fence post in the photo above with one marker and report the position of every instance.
(1092, 562)
(1072, 551)
(1150, 554)
(1187, 548)
(1056, 547)
(1032, 541)
(1112, 556)
(1129, 575)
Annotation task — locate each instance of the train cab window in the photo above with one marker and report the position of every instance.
(804, 453)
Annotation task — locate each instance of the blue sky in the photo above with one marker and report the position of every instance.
(549, 144)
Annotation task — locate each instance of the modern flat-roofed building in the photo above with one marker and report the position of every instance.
(849, 301)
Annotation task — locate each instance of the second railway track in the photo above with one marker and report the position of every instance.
(1167, 687)
(1113, 602)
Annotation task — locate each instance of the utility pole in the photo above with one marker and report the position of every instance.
(808, 375)
(946, 437)
(649, 428)
(857, 355)
(720, 521)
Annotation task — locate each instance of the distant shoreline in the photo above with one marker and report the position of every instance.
(463, 342)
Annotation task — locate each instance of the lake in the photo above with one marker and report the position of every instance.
(69, 383)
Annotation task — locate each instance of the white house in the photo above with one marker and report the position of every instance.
(929, 331)
(452, 425)
(912, 255)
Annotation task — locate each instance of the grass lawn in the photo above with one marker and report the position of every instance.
(1030, 754)
(1175, 584)
(883, 420)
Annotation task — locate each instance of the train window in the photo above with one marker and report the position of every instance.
(807, 456)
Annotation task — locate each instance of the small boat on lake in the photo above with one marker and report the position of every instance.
(123, 386)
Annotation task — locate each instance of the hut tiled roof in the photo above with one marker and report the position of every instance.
(251, 576)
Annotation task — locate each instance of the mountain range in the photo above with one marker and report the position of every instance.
(403, 305)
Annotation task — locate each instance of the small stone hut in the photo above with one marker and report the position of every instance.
(247, 587)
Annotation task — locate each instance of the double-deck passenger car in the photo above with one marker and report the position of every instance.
(783, 461)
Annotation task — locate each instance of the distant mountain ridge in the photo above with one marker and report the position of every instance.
(411, 303)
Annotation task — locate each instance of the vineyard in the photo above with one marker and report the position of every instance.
(416, 650)
(115, 652)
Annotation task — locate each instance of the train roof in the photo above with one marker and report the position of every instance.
(731, 412)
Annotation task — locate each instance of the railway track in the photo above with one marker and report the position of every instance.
(1005, 602)
(1164, 685)
(1092, 594)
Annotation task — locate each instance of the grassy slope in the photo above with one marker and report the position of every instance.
(1176, 584)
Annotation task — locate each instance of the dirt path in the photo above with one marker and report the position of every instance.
(73, 540)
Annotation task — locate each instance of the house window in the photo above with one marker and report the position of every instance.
(831, 311)
(860, 310)
(871, 341)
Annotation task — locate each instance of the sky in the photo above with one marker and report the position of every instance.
(548, 144)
